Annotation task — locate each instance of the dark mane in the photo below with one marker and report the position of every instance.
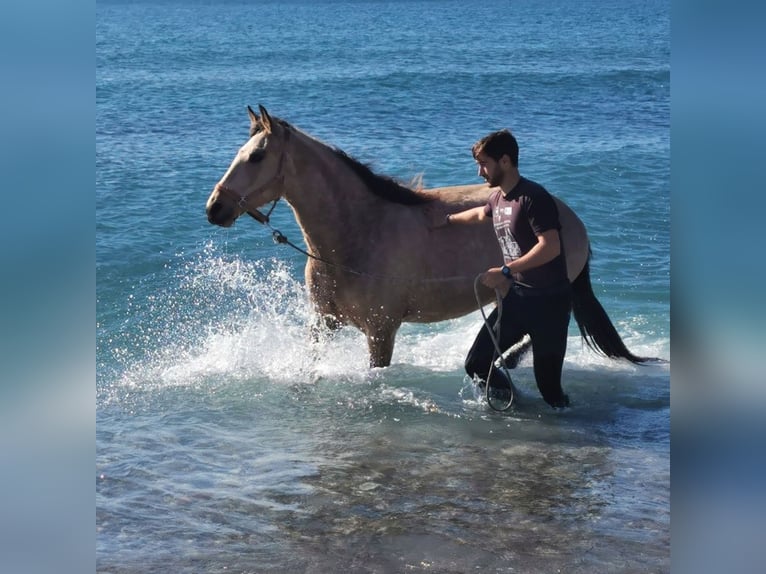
(381, 185)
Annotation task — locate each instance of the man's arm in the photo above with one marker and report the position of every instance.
(546, 249)
(473, 215)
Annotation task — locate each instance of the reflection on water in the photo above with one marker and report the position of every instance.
(424, 498)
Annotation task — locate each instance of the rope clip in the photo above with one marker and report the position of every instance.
(277, 236)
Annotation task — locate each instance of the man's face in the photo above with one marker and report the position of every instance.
(489, 169)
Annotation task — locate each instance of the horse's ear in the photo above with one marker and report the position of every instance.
(254, 119)
(265, 119)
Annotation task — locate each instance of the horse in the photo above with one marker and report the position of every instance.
(375, 259)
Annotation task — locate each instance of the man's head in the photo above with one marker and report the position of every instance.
(496, 145)
(497, 155)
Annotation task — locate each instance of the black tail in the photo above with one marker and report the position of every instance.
(595, 326)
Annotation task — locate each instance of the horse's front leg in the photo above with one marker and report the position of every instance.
(321, 330)
(380, 342)
(323, 326)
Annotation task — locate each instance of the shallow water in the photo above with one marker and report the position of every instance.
(246, 448)
(393, 472)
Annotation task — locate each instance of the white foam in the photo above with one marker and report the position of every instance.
(244, 320)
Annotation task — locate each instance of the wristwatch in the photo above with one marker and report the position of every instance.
(506, 271)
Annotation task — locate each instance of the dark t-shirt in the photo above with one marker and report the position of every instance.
(527, 211)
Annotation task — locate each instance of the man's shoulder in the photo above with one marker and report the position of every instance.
(531, 187)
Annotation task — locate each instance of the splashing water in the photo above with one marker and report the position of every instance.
(223, 317)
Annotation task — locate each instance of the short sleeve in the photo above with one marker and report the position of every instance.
(542, 213)
(492, 200)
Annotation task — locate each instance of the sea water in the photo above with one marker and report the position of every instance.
(224, 442)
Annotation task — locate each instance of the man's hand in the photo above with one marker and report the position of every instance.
(436, 214)
(494, 279)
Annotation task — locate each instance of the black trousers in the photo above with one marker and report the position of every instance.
(544, 315)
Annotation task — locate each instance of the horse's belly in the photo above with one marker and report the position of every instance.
(441, 308)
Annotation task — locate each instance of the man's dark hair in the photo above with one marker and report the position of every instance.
(496, 145)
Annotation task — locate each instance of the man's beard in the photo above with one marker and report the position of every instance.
(495, 180)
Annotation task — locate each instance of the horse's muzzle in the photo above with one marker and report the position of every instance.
(217, 215)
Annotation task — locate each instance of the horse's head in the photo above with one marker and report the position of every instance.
(256, 175)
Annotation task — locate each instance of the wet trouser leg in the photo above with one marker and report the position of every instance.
(479, 359)
(548, 329)
(546, 319)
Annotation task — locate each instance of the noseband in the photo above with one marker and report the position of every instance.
(243, 200)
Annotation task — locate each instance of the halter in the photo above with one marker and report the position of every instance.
(242, 200)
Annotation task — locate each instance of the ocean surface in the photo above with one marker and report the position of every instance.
(223, 444)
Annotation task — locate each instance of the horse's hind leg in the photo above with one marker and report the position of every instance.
(516, 352)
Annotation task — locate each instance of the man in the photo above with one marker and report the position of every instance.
(538, 300)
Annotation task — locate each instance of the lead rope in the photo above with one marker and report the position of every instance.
(280, 237)
(494, 333)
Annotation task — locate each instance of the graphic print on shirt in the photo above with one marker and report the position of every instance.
(508, 244)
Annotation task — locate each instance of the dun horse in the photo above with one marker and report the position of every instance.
(375, 258)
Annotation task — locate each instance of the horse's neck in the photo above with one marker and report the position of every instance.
(331, 204)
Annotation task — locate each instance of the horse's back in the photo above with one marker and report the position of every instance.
(573, 232)
(458, 197)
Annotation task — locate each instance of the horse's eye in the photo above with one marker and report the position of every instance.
(256, 156)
